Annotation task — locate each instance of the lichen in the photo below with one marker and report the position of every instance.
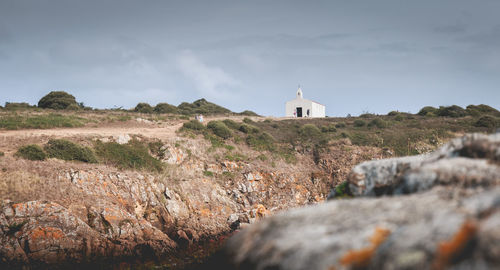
(361, 258)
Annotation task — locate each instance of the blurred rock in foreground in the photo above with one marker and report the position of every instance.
(446, 215)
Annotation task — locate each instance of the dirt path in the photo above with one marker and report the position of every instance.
(150, 132)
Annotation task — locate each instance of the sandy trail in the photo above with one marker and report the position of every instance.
(163, 133)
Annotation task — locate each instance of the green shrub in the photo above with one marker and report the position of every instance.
(399, 117)
(219, 129)
(31, 152)
(426, 110)
(477, 110)
(133, 155)
(165, 108)
(340, 125)
(342, 190)
(486, 121)
(13, 106)
(2, 154)
(248, 113)
(143, 108)
(393, 113)
(367, 115)
(57, 100)
(248, 120)
(157, 149)
(246, 128)
(201, 106)
(451, 111)
(310, 132)
(359, 123)
(193, 125)
(208, 173)
(66, 150)
(262, 141)
(231, 124)
(377, 122)
(328, 129)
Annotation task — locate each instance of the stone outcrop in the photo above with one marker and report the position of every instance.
(446, 215)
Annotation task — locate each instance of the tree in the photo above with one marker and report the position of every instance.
(57, 100)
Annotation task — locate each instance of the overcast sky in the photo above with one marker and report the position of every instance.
(353, 56)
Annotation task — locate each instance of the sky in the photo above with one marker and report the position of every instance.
(352, 56)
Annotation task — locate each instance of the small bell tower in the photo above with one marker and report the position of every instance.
(299, 93)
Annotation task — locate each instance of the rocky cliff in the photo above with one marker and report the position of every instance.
(440, 210)
(59, 214)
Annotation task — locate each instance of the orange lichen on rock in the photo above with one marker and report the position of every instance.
(46, 233)
(447, 250)
(360, 258)
(261, 211)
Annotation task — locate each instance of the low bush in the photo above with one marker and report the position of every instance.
(377, 122)
(143, 108)
(340, 125)
(367, 115)
(399, 118)
(66, 150)
(451, 111)
(208, 173)
(31, 152)
(156, 148)
(428, 111)
(165, 108)
(248, 113)
(359, 123)
(342, 191)
(193, 125)
(231, 124)
(328, 129)
(219, 129)
(248, 120)
(2, 154)
(248, 129)
(262, 141)
(393, 113)
(133, 155)
(13, 106)
(57, 100)
(201, 106)
(478, 110)
(487, 121)
(310, 132)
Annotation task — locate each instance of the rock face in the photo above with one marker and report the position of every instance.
(55, 213)
(447, 215)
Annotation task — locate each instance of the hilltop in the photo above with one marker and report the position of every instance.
(91, 186)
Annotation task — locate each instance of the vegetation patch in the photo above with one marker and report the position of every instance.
(263, 141)
(14, 106)
(31, 152)
(377, 122)
(220, 129)
(248, 113)
(359, 123)
(156, 148)
(58, 100)
(2, 154)
(208, 173)
(165, 108)
(248, 129)
(133, 155)
(487, 121)
(66, 150)
(201, 106)
(451, 111)
(231, 124)
(193, 125)
(40, 121)
(143, 108)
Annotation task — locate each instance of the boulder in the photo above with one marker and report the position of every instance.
(446, 215)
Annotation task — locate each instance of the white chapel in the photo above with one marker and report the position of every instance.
(301, 107)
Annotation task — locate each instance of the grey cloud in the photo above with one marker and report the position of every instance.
(451, 29)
